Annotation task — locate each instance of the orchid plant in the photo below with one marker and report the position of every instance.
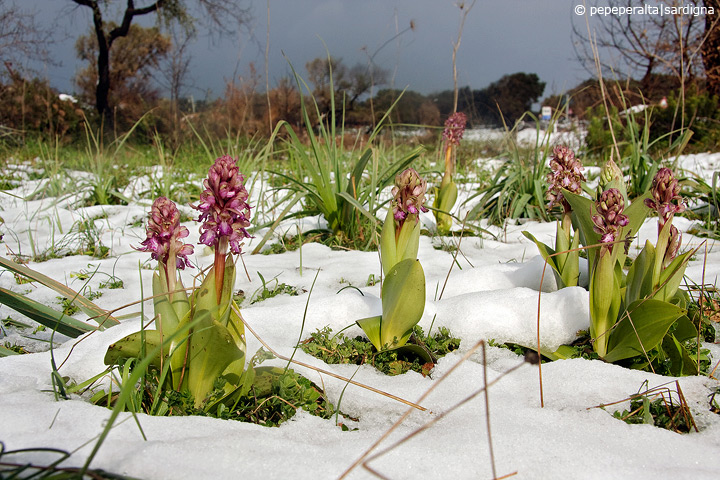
(639, 315)
(446, 195)
(635, 315)
(403, 291)
(202, 335)
(564, 259)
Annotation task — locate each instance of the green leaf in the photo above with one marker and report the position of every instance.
(639, 278)
(684, 329)
(419, 351)
(563, 352)
(132, 347)
(205, 297)
(546, 253)
(395, 247)
(97, 314)
(44, 315)
(582, 210)
(604, 302)
(672, 276)
(6, 352)
(651, 319)
(388, 245)
(519, 205)
(212, 350)
(371, 327)
(444, 201)
(448, 196)
(167, 318)
(353, 201)
(403, 302)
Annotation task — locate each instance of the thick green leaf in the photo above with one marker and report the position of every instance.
(672, 276)
(51, 318)
(132, 347)
(444, 201)
(388, 245)
(212, 350)
(167, 318)
(205, 297)
(371, 327)
(546, 252)
(6, 352)
(681, 362)
(419, 351)
(651, 320)
(684, 329)
(583, 209)
(403, 302)
(604, 302)
(563, 352)
(447, 196)
(639, 278)
(97, 314)
(395, 247)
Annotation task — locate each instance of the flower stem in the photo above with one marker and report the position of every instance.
(220, 253)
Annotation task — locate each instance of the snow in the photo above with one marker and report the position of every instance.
(491, 293)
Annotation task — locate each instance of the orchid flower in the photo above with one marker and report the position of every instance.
(163, 241)
(224, 212)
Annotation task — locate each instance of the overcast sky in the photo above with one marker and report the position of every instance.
(499, 37)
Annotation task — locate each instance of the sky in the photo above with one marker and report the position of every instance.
(498, 38)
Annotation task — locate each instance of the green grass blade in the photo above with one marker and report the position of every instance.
(102, 317)
(44, 315)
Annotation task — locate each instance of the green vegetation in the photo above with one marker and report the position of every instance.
(359, 351)
(661, 407)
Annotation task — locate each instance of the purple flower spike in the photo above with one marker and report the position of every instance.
(666, 199)
(609, 218)
(223, 206)
(408, 195)
(454, 128)
(566, 174)
(164, 233)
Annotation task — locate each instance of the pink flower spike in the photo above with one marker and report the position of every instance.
(164, 233)
(566, 174)
(666, 200)
(454, 128)
(223, 206)
(610, 217)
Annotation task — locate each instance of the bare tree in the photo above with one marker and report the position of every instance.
(223, 15)
(641, 44)
(711, 46)
(174, 75)
(21, 38)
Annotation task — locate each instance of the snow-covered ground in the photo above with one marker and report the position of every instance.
(492, 294)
